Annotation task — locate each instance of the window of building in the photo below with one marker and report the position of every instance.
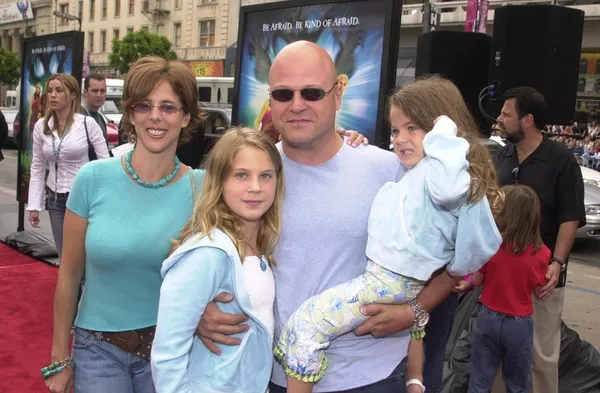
(103, 41)
(91, 41)
(92, 9)
(131, 8)
(129, 30)
(204, 94)
(116, 34)
(209, 1)
(117, 8)
(144, 28)
(104, 9)
(64, 8)
(80, 9)
(177, 35)
(160, 29)
(207, 33)
(177, 4)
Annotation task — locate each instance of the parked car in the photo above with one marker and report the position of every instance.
(591, 181)
(112, 131)
(16, 129)
(110, 111)
(11, 116)
(215, 125)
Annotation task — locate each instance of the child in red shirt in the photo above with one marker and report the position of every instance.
(504, 327)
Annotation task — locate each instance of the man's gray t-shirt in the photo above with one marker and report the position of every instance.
(323, 241)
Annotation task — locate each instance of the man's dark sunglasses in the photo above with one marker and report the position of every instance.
(308, 93)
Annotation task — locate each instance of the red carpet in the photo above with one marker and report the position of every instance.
(26, 302)
(10, 257)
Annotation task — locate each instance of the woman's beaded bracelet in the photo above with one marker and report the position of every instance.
(57, 367)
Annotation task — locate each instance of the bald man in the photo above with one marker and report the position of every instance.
(330, 187)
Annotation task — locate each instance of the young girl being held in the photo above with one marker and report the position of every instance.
(226, 246)
(504, 327)
(439, 215)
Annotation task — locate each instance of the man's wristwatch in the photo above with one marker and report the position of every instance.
(421, 316)
(563, 264)
(415, 381)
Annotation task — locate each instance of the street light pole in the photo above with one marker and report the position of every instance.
(68, 17)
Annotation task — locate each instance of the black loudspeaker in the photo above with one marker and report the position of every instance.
(539, 46)
(463, 58)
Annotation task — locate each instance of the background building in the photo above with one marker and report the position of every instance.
(14, 26)
(204, 32)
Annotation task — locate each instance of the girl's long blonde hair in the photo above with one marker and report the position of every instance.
(210, 210)
(430, 97)
(70, 86)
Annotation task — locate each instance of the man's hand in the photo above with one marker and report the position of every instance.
(462, 287)
(552, 276)
(385, 319)
(216, 326)
(354, 137)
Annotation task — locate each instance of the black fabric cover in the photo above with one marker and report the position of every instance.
(579, 363)
(33, 244)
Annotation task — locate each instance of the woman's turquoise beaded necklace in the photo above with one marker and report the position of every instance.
(157, 184)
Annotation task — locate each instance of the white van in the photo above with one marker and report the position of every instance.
(112, 107)
(215, 92)
(10, 102)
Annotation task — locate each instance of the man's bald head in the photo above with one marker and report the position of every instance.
(305, 119)
(304, 52)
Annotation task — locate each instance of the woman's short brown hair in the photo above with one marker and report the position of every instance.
(144, 76)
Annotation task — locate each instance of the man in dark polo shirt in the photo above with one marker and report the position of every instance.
(552, 171)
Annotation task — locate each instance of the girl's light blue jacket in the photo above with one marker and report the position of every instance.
(193, 275)
(424, 221)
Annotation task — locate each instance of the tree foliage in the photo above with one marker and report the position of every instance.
(10, 67)
(139, 44)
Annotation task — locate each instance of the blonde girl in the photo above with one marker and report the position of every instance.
(226, 246)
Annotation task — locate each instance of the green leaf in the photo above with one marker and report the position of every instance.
(10, 67)
(139, 44)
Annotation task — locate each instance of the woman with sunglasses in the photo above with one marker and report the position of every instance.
(121, 216)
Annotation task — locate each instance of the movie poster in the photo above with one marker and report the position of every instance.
(352, 32)
(42, 57)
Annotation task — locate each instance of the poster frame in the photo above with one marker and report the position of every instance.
(76, 39)
(387, 80)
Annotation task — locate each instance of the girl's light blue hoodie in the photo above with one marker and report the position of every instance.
(193, 275)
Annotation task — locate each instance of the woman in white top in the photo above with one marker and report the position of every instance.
(61, 139)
